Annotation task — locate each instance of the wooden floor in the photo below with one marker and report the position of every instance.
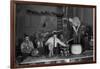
(57, 59)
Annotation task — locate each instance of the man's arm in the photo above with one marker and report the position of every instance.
(22, 47)
(61, 43)
(32, 45)
(48, 41)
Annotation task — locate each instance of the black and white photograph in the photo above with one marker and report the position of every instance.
(53, 34)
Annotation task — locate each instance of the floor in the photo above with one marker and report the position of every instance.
(57, 59)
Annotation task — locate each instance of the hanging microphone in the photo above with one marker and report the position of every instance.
(68, 19)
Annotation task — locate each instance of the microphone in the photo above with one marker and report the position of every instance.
(68, 19)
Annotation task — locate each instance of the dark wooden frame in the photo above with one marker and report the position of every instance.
(12, 32)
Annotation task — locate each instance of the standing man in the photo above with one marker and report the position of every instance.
(52, 42)
(80, 35)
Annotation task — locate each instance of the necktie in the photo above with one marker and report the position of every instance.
(54, 41)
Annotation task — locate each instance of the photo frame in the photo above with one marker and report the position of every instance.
(72, 25)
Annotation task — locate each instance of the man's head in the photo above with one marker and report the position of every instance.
(26, 37)
(75, 21)
(54, 35)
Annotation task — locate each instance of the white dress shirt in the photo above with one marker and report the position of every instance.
(53, 41)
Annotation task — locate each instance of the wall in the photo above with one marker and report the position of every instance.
(85, 14)
(28, 23)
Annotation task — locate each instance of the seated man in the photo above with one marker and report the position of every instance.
(26, 47)
(52, 42)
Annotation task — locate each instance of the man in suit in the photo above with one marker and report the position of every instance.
(79, 32)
